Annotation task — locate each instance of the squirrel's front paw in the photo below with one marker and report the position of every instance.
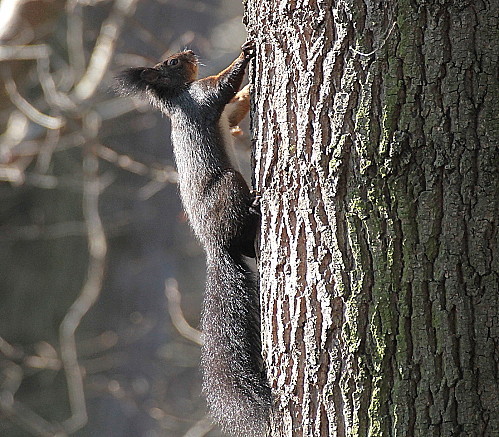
(249, 49)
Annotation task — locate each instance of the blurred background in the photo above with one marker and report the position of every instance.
(101, 279)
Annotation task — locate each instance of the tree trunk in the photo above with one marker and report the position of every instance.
(375, 149)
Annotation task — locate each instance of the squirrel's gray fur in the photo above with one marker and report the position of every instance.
(220, 209)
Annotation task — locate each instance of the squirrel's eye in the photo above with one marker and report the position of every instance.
(173, 62)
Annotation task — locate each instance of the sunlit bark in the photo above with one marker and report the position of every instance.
(375, 152)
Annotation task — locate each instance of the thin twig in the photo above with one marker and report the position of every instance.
(10, 14)
(163, 175)
(114, 108)
(48, 148)
(74, 38)
(176, 314)
(150, 189)
(385, 39)
(19, 52)
(200, 428)
(52, 95)
(104, 49)
(11, 174)
(19, 413)
(29, 110)
(42, 232)
(97, 247)
(11, 352)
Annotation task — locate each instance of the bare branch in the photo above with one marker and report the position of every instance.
(33, 232)
(26, 52)
(17, 128)
(11, 174)
(104, 49)
(52, 96)
(28, 419)
(9, 16)
(200, 428)
(11, 352)
(12, 376)
(150, 189)
(74, 37)
(48, 91)
(46, 357)
(97, 246)
(164, 175)
(46, 151)
(114, 108)
(27, 109)
(31, 148)
(176, 314)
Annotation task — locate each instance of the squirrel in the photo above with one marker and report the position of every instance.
(224, 217)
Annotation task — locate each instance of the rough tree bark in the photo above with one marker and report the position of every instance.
(375, 128)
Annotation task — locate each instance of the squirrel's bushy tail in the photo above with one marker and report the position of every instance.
(234, 379)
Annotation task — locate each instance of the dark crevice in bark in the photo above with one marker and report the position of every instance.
(411, 395)
(339, 407)
(341, 223)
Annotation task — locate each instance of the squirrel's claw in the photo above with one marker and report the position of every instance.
(249, 49)
(255, 202)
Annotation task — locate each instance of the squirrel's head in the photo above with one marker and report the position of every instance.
(166, 77)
